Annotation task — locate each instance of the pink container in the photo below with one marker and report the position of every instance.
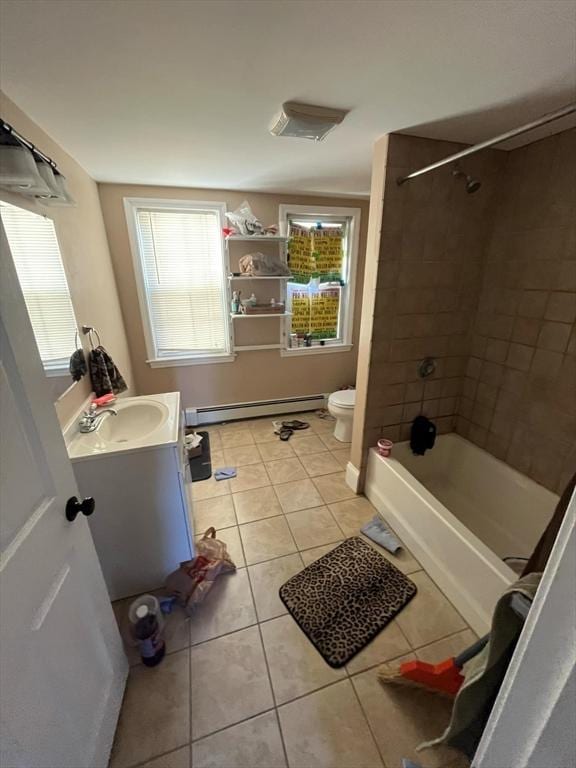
(384, 447)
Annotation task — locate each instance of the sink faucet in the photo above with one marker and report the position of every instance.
(91, 420)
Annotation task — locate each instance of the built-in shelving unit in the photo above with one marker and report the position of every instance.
(234, 252)
(261, 277)
(256, 238)
(256, 315)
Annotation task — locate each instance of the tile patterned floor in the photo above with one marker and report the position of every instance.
(241, 686)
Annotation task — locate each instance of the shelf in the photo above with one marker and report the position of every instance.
(255, 347)
(258, 238)
(261, 277)
(269, 314)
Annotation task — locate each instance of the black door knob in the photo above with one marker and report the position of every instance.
(73, 507)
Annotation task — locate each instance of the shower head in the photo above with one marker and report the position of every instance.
(472, 184)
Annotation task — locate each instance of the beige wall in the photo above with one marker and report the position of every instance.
(253, 375)
(423, 268)
(85, 254)
(519, 397)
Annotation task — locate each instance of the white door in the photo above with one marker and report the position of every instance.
(62, 666)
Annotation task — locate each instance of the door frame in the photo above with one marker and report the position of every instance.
(532, 722)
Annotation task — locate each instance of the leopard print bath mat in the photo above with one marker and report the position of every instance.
(343, 600)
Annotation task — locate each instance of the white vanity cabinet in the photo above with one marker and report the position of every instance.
(141, 524)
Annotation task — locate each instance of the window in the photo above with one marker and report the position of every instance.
(179, 261)
(323, 255)
(36, 255)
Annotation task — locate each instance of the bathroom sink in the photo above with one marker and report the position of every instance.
(140, 423)
(133, 421)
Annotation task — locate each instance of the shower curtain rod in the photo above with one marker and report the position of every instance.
(549, 117)
(32, 147)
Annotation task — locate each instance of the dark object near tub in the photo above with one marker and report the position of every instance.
(201, 466)
(422, 435)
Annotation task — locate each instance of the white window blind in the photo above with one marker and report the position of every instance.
(36, 255)
(182, 269)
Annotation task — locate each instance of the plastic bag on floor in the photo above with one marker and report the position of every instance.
(195, 578)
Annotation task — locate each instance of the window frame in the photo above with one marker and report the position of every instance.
(131, 207)
(287, 210)
(51, 369)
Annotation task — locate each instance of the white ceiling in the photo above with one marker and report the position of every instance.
(182, 92)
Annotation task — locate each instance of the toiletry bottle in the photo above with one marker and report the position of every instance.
(253, 300)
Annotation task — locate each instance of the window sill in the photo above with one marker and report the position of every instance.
(174, 362)
(53, 372)
(316, 350)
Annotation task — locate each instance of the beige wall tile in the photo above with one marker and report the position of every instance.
(561, 307)
(554, 336)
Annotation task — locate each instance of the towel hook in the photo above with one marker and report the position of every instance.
(89, 330)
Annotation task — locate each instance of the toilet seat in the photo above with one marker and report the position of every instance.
(345, 398)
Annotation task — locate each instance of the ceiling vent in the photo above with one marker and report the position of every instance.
(306, 121)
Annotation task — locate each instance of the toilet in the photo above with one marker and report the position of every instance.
(341, 406)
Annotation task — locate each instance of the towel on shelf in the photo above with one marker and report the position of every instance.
(104, 374)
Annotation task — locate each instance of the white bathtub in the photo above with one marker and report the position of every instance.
(460, 511)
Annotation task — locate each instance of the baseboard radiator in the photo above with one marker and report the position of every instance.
(219, 413)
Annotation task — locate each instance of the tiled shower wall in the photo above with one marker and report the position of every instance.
(519, 393)
(427, 282)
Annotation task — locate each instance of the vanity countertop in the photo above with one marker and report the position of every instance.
(141, 423)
